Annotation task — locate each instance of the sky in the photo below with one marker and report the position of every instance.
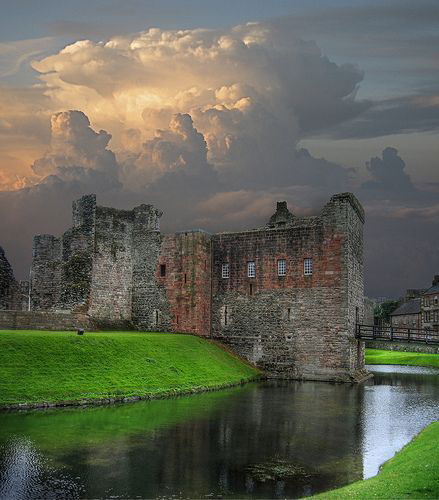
(213, 111)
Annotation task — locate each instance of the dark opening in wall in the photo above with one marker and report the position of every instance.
(185, 278)
(162, 269)
(251, 289)
(156, 317)
(225, 316)
(289, 314)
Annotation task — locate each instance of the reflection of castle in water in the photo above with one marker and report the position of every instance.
(310, 425)
(208, 444)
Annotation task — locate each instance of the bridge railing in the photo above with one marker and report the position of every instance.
(397, 334)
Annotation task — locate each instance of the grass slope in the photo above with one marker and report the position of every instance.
(382, 357)
(411, 473)
(56, 366)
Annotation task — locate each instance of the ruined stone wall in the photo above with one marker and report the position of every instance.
(184, 270)
(116, 267)
(46, 272)
(150, 307)
(110, 296)
(7, 282)
(294, 325)
(42, 320)
(345, 213)
(77, 256)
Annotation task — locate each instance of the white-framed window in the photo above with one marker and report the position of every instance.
(307, 267)
(281, 267)
(251, 269)
(225, 271)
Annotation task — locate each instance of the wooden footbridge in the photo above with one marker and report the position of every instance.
(396, 334)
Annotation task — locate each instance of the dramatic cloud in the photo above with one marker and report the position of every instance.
(388, 174)
(393, 116)
(78, 153)
(254, 73)
(205, 124)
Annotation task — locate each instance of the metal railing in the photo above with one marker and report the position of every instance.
(396, 334)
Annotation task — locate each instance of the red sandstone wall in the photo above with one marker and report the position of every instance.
(265, 248)
(187, 281)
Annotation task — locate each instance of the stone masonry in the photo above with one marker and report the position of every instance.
(285, 296)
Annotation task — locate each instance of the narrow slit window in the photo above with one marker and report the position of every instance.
(289, 314)
(307, 267)
(251, 289)
(281, 267)
(225, 271)
(225, 316)
(162, 270)
(156, 317)
(185, 278)
(251, 269)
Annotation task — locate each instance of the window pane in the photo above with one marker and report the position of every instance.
(281, 267)
(251, 269)
(307, 267)
(225, 272)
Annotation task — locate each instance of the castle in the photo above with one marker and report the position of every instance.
(286, 296)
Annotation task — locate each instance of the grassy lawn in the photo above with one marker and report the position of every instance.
(411, 473)
(381, 357)
(40, 366)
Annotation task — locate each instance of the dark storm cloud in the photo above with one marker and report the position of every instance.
(393, 116)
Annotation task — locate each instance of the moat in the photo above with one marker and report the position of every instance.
(267, 439)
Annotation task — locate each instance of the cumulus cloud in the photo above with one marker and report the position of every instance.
(77, 152)
(206, 124)
(388, 174)
(236, 83)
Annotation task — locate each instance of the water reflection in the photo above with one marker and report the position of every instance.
(271, 439)
(399, 404)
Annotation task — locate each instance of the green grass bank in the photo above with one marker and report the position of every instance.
(381, 357)
(412, 473)
(39, 368)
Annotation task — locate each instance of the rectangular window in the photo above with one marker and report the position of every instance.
(281, 267)
(225, 271)
(162, 270)
(307, 267)
(251, 289)
(251, 269)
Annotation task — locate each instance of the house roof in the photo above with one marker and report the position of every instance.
(433, 289)
(411, 307)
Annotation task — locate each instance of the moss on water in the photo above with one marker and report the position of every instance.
(50, 367)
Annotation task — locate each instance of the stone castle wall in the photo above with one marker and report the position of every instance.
(186, 279)
(294, 325)
(116, 269)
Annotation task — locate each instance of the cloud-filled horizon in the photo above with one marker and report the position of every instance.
(209, 124)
